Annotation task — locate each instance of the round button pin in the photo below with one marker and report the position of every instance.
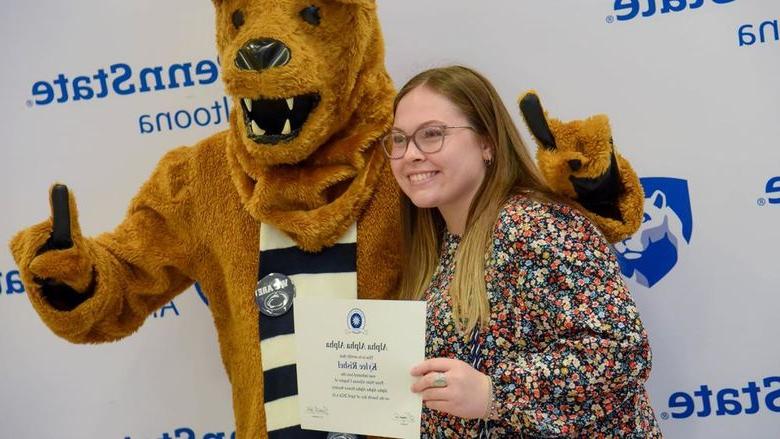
(274, 294)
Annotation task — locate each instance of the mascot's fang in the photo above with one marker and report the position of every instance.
(270, 121)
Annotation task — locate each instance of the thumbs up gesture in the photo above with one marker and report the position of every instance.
(579, 161)
(52, 255)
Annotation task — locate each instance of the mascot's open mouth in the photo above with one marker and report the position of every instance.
(276, 120)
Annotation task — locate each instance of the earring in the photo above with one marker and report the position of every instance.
(488, 162)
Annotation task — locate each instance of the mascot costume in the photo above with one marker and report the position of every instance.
(295, 197)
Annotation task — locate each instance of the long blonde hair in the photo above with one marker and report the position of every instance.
(512, 171)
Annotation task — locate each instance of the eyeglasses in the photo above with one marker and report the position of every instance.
(428, 139)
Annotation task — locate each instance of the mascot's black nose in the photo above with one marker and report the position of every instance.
(262, 54)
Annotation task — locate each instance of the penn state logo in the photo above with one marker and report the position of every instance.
(653, 251)
(356, 320)
(274, 294)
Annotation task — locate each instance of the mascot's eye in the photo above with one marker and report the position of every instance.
(238, 19)
(311, 15)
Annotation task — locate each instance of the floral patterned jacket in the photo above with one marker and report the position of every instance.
(565, 346)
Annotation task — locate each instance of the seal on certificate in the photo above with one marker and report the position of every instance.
(274, 294)
(356, 320)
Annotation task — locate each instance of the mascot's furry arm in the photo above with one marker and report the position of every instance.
(578, 160)
(125, 279)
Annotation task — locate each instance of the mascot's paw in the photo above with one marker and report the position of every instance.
(53, 255)
(578, 160)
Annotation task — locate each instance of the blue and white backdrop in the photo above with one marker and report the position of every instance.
(692, 91)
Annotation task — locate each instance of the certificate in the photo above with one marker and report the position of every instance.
(354, 358)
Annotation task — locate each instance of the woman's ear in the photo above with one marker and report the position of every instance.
(487, 151)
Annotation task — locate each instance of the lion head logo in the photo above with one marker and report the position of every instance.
(652, 252)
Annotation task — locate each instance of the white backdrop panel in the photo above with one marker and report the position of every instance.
(688, 97)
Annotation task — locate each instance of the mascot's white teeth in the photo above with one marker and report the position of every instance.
(270, 121)
(256, 130)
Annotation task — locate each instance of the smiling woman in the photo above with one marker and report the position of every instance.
(530, 328)
(430, 174)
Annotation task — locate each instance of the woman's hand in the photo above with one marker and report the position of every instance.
(452, 386)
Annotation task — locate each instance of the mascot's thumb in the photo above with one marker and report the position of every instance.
(53, 251)
(533, 114)
(64, 220)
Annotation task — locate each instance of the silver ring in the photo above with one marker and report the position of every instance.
(440, 380)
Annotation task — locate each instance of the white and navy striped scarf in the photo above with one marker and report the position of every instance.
(332, 272)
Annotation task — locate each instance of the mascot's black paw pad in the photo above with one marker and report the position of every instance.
(600, 194)
(62, 297)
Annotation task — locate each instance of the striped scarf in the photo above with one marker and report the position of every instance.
(332, 273)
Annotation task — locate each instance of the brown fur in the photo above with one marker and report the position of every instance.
(590, 141)
(290, 187)
(197, 217)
